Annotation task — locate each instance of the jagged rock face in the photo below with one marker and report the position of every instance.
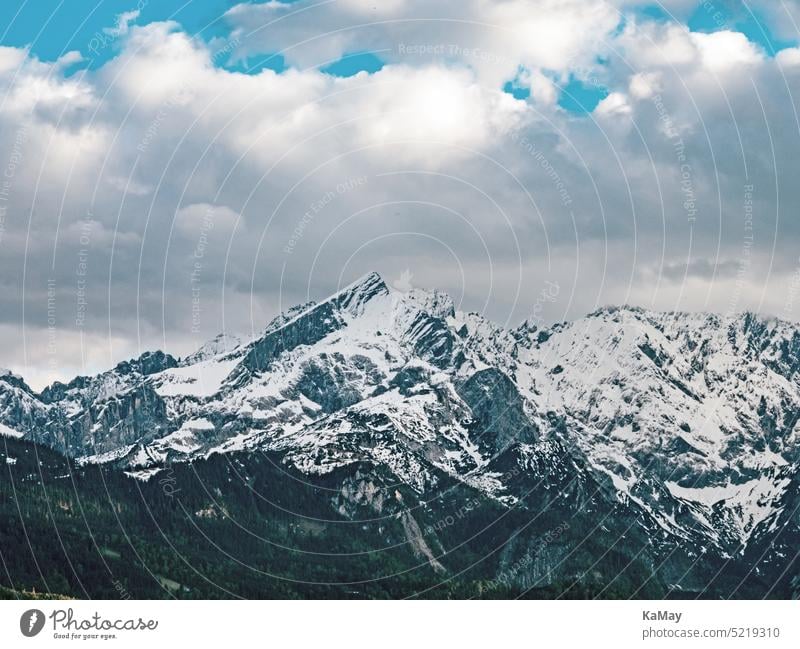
(331, 381)
(498, 410)
(83, 391)
(316, 323)
(20, 409)
(684, 424)
(690, 405)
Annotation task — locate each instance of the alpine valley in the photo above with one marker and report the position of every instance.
(381, 444)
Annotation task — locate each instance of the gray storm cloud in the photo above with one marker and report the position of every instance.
(162, 198)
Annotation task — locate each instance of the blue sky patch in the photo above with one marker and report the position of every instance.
(516, 91)
(581, 97)
(54, 27)
(653, 12)
(735, 16)
(515, 88)
(352, 64)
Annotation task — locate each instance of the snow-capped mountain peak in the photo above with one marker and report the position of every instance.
(688, 419)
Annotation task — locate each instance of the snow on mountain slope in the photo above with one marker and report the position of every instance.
(221, 344)
(20, 408)
(689, 419)
(203, 378)
(10, 432)
(693, 401)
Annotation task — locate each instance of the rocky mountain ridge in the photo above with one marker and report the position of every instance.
(685, 425)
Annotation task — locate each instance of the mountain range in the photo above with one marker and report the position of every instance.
(628, 453)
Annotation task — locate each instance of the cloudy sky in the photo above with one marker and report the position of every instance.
(173, 169)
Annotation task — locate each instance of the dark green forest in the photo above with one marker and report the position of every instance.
(244, 526)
